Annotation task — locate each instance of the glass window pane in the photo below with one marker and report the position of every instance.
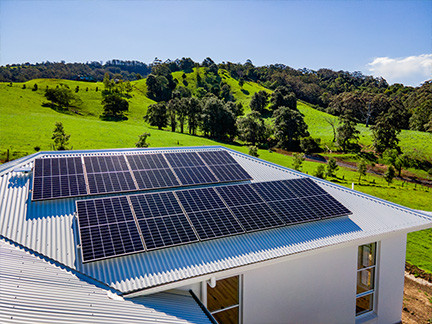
(225, 294)
(366, 255)
(364, 304)
(365, 280)
(230, 316)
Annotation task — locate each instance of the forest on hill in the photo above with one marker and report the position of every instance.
(336, 92)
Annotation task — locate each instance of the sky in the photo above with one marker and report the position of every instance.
(392, 39)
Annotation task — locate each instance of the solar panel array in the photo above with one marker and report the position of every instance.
(172, 218)
(92, 175)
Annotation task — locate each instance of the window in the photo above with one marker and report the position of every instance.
(223, 301)
(366, 273)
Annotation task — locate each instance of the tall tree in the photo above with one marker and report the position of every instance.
(259, 101)
(386, 130)
(61, 139)
(172, 108)
(347, 132)
(61, 97)
(182, 111)
(332, 167)
(389, 175)
(114, 105)
(361, 169)
(157, 115)
(194, 110)
(217, 120)
(289, 126)
(251, 128)
(282, 97)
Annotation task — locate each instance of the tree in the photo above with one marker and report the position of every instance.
(320, 171)
(309, 144)
(332, 167)
(253, 151)
(35, 87)
(282, 97)
(61, 97)
(386, 130)
(142, 140)
(298, 159)
(346, 132)
(61, 140)
(396, 159)
(182, 111)
(157, 115)
(194, 110)
(114, 105)
(172, 107)
(289, 126)
(389, 175)
(361, 169)
(259, 101)
(217, 120)
(251, 128)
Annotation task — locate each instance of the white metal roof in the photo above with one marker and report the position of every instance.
(33, 290)
(49, 228)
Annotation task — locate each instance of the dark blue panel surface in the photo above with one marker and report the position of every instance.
(158, 178)
(215, 223)
(194, 200)
(217, 157)
(238, 195)
(155, 205)
(230, 172)
(195, 175)
(99, 164)
(325, 206)
(304, 187)
(256, 217)
(147, 161)
(166, 231)
(110, 182)
(273, 190)
(293, 211)
(58, 187)
(184, 159)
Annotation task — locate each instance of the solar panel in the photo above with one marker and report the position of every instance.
(304, 187)
(217, 157)
(293, 211)
(110, 182)
(230, 172)
(195, 175)
(256, 217)
(184, 159)
(194, 200)
(166, 231)
(100, 164)
(158, 178)
(155, 205)
(273, 190)
(325, 206)
(59, 186)
(57, 166)
(147, 161)
(107, 228)
(215, 223)
(238, 195)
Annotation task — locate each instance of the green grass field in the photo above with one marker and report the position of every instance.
(25, 123)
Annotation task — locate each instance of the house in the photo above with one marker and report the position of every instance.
(344, 266)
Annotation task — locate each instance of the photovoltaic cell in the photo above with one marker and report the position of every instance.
(107, 228)
(166, 231)
(230, 172)
(102, 164)
(147, 161)
(325, 206)
(217, 157)
(110, 182)
(215, 223)
(304, 187)
(59, 186)
(273, 190)
(57, 166)
(194, 200)
(239, 195)
(155, 205)
(185, 159)
(293, 211)
(195, 175)
(158, 178)
(256, 217)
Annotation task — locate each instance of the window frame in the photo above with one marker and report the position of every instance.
(240, 297)
(372, 292)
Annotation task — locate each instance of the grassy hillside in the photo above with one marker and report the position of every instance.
(25, 123)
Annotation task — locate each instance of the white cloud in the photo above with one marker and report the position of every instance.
(411, 70)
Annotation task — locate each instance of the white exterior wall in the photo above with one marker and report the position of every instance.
(321, 287)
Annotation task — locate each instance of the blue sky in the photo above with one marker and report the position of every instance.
(388, 38)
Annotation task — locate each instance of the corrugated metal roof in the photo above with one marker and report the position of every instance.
(34, 291)
(49, 228)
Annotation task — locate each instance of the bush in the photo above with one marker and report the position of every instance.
(320, 171)
(310, 145)
(142, 140)
(253, 151)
